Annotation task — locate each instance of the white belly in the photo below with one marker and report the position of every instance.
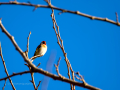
(42, 51)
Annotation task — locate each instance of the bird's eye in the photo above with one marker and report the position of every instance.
(44, 42)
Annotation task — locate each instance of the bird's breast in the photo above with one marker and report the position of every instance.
(43, 50)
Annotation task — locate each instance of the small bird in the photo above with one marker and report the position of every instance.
(41, 49)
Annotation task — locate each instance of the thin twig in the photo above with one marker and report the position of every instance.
(14, 74)
(81, 78)
(57, 70)
(27, 44)
(58, 62)
(72, 75)
(38, 84)
(60, 43)
(39, 70)
(38, 64)
(33, 82)
(6, 68)
(4, 84)
(62, 10)
(32, 73)
(117, 17)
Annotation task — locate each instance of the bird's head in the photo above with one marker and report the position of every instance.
(43, 42)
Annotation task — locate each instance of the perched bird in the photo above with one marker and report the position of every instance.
(41, 49)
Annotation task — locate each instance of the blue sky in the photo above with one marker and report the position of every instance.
(92, 46)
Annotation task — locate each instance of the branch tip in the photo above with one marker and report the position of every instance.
(117, 18)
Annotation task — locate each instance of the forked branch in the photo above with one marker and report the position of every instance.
(39, 70)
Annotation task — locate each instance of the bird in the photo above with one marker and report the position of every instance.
(41, 49)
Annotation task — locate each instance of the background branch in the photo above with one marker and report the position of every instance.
(4, 84)
(81, 78)
(117, 17)
(62, 11)
(6, 68)
(38, 85)
(15, 74)
(60, 43)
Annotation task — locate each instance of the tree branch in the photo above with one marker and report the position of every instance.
(33, 82)
(60, 43)
(81, 78)
(38, 84)
(117, 17)
(6, 69)
(57, 70)
(62, 11)
(27, 45)
(4, 84)
(39, 70)
(15, 74)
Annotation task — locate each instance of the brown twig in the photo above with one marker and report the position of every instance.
(33, 82)
(27, 50)
(60, 43)
(15, 74)
(39, 70)
(4, 84)
(35, 8)
(6, 68)
(57, 70)
(72, 75)
(81, 78)
(62, 10)
(38, 65)
(32, 73)
(38, 85)
(117, 17)
(27, 44)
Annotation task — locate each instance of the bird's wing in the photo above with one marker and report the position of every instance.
(37, 50)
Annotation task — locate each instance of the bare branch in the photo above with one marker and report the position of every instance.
(35, 8)
(32, 73)
(15, 74)
(27, 44)
(38, 84)
(39, 70)
(117, 17)
(62, 11)
(57, 70)
(4, 84)
(6, 68)
(33, 82)
(81, 78)
(38, 65)
(72, 75)
(60, 43)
